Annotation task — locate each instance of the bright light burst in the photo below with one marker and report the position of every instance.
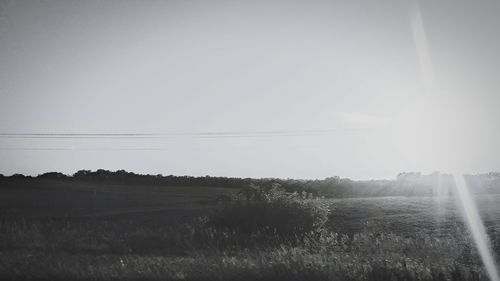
(476, 226)
(448, 131)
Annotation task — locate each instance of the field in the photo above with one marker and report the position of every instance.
(56, 230)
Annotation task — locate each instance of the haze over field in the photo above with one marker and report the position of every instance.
(256, 88)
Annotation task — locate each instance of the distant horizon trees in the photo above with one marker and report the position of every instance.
(405, 184)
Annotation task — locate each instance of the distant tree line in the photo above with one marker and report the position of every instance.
(405, 184)
(124, 177)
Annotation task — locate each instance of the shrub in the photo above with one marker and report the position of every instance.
(256, 211)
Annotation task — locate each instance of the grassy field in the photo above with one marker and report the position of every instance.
(52, 230)
(407, 215)
(83, 201)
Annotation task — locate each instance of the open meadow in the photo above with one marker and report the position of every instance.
(57, 230)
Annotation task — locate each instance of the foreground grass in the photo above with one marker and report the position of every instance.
(72, 250)
(259, 234)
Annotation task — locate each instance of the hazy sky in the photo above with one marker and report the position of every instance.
(360, 89)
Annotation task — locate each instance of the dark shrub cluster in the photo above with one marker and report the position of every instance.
(256, 211)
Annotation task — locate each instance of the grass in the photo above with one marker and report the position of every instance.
(150, 234)
(59, 250)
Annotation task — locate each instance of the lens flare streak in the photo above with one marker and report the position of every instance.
(476, 227)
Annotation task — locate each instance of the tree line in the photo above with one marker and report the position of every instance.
(405, 184)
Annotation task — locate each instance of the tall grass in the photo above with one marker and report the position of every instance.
(33, 251)
(210, 248)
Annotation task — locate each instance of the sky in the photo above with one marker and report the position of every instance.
(293, 89)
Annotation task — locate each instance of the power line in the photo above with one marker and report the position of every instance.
(80, 149)
(213, 134)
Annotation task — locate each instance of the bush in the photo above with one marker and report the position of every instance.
(256, 211)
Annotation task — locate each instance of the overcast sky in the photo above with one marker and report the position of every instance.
(299, 89)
